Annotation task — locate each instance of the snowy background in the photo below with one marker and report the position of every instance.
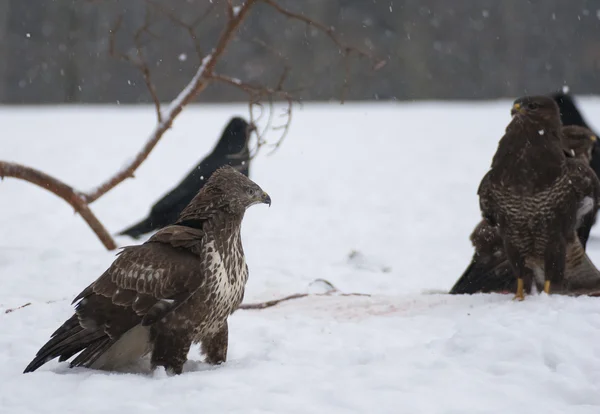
(395, 183)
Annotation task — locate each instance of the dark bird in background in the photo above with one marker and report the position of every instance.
(489, 270)
(232, 149)
(176, 289)
(570, 115)
(581, 141)
(535, 196)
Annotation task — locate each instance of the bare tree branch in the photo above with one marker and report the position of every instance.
(62, 190)
(189, 28)
(139, 60)
(198, 83)
(204, 75)
(328, 31)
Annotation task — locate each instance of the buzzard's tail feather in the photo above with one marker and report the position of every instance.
(69, 339)
(139, 229)
(484, 278)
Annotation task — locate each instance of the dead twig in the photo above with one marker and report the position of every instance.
(271, 303)
(17, 308)
(139, 61)
(29, 304)
(331, 291)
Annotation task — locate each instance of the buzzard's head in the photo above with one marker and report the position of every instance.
(226, 191)
(579, 139)
(237, 191)
(541, 109)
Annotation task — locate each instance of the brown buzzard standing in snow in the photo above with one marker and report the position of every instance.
(535, 195)
(176, 289)
(489, 270)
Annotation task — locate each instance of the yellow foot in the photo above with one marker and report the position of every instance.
(520, 294)
(547, 287)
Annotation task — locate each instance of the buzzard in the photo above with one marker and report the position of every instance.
(570, 115)
(489, 270)
(232, 149)
(580, 140)
(535, 195)
(176, 289)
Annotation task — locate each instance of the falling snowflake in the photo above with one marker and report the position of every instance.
(27, 34)
(541, 132)
(565, 89)
(182, 57)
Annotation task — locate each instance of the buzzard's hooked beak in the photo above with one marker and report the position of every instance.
(517, 108)
(593, 138)
(265, 198)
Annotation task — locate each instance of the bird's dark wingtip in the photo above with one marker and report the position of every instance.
(35, 364)
(480, 278)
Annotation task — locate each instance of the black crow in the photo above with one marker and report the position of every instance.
(232, 149)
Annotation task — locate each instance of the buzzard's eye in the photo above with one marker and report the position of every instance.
(251, 192)
(533, 106)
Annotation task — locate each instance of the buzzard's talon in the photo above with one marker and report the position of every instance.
(520, 294)
(547, 287)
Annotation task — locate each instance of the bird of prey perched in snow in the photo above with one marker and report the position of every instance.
(232, 149)
(176, 289)
(489, 270)
(535, 195)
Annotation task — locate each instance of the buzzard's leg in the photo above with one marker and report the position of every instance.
(554, 264)
(520, 295)
(170, 351)
(524, 274)
(215, 346)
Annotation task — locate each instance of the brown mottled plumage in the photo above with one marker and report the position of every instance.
(489, 270)
(535, 195)
(581, 140)
(176, 289)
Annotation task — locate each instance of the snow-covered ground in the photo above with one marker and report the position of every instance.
(393, 183)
